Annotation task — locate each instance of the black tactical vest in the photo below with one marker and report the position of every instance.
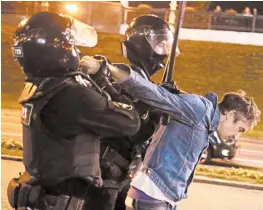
(124, 145)
(147, 123)
(49, 158)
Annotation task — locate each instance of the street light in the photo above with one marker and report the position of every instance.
(71, 8)
(124, 25)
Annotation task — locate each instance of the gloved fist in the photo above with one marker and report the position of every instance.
(103, 71)
(101, 58)
(89, 65)
(97, 67)
(171, 87)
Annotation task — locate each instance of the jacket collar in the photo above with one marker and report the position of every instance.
(216, 116)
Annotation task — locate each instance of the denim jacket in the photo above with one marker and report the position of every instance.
(172, 157)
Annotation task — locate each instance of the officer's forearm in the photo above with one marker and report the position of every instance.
(118, 75)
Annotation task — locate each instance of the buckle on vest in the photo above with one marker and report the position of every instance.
(145, 115)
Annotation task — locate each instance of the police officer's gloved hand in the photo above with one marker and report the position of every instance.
(103, 72)
(104, 80)
(89, 65)
(171, 87)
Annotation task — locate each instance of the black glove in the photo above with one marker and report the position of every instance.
(103, 71)
(104, 80)
(101, 58)
(102, 76)
(171, 87)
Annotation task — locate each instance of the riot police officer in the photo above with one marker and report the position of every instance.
(148, 41)
(146, 45)
(64, 115)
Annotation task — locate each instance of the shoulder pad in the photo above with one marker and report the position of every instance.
(47, 86)
(27, 92)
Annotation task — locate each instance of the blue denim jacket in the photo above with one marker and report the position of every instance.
(172, 157)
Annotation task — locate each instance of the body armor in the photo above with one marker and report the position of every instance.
(48, 158)
(125, 150)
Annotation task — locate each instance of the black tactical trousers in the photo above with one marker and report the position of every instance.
(120, 203)
(107, 198)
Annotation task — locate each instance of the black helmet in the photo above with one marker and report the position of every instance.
(148, 41)
(45, 44)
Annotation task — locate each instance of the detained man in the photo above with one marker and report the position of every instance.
(170, 160)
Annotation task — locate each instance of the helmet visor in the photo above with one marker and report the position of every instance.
(84, 35)
(161, 41)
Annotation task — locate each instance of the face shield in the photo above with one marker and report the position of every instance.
(81, 34)
(77, 32)
(84, 35)
(161, 41)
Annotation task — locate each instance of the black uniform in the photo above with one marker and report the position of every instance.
(64, 115)
(117, 153)
(62, 130)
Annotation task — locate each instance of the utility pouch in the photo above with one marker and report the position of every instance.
(12, 192)
(21, 194)
(23, 197)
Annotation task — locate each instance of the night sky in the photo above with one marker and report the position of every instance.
(236, 5)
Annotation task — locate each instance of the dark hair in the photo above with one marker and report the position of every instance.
(244, 106)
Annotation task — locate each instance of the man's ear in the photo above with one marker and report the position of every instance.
(230, 114)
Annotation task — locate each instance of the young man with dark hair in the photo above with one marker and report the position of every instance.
(175, 149)
(243, 110)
